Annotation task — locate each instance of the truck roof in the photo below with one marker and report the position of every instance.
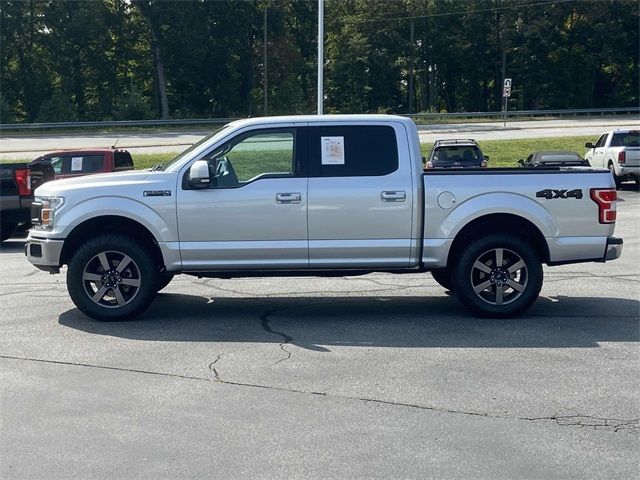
(356, 118)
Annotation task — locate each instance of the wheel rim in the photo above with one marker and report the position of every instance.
(111, 279)
(499, 276)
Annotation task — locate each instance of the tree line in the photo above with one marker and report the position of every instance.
(142, 59)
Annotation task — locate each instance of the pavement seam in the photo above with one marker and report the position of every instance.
(613, 424)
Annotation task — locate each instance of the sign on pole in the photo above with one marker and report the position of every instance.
(506, 88)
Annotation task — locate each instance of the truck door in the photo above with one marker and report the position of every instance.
(254, 215)
(360, 196)
(599, 152)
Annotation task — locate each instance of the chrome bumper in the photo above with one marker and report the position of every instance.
(44, 253)
(614, 248)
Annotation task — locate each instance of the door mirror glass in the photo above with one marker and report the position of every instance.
(199, 174)
(589, 145)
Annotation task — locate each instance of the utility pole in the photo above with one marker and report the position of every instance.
(264, 59)
(412, 42)
(320, 55)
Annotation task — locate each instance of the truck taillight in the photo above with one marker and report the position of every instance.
(606, 199)
(23, 179)
(622, 157)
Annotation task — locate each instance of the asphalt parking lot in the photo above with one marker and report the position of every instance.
(378, 376)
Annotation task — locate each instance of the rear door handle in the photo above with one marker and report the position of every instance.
(283, 198)
(394, 196)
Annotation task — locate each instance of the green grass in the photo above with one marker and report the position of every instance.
(505, 153)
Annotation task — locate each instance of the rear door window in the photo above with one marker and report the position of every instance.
(350, 151)
(77, 164)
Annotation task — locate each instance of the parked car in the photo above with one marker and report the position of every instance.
(456, 153)
(323, 196)
(17, 183)
(74, 163)
(619, 151)
(556, 158)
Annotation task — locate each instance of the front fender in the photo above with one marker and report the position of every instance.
(157, 220)
(498, 203)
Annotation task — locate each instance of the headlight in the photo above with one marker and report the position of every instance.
(43, 211)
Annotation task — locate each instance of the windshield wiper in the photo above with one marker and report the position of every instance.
(157, 167)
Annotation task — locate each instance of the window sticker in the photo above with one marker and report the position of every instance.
(332, 150)
(76, 164)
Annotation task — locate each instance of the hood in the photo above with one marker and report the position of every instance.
(105, 180)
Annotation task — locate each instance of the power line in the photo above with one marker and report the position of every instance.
(463, 12)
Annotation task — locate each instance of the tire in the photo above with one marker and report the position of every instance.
(164, 279)
(104, 290)
(616, 178)
(443, 277)
(7, 229)
(509, 290)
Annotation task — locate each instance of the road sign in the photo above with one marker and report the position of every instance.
(506, 88)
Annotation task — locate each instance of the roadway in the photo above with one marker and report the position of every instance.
(28, 147)
(378, 376)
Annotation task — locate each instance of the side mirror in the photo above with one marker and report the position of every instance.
(199, 174)
(521, 161)
(589, 145)
(486, 157)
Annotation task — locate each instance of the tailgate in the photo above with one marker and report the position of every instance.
(632, 157)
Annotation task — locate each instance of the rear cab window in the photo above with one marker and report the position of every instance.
(122, 160)
(626, 139)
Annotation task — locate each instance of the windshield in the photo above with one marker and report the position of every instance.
(219, 132)
(457, 155)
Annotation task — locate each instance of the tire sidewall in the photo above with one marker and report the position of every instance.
(120, 243)
(461, 276)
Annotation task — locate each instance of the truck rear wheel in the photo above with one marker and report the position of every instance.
(616, 178)
(112, 277)
(498, 276)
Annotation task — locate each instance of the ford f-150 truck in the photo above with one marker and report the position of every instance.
(619, 151)
(319, 195)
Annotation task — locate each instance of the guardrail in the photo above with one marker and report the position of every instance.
(529, 113)
(222, 121)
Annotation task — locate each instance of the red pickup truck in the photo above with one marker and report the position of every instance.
(74, 163)
(18, 180)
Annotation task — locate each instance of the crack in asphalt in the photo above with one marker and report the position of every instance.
(264, 321)
(613, 424)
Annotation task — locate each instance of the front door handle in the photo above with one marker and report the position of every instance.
(284, 198)
(394, 196)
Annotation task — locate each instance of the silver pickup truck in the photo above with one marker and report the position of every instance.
(319, 195)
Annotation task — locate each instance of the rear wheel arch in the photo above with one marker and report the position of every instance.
(500, 223)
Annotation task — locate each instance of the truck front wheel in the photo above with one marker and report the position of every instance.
(498, 276)
(443, 277)
(112, 277)
(7, 229)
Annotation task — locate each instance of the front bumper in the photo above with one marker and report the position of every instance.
(613, 249)
(44, 253)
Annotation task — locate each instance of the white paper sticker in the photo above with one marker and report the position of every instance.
(76, 164)
(332, 150)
